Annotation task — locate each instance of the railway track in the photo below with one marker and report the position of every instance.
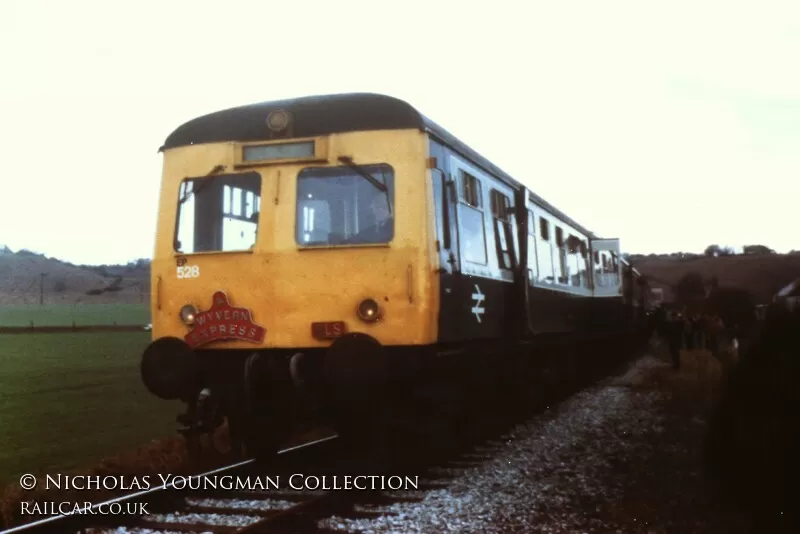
(291, 509)
(252, 511)
(170, 508)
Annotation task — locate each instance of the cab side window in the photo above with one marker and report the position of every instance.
(472, 229)
(503, 232)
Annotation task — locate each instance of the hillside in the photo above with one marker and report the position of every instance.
(762, 275)
(64, 283)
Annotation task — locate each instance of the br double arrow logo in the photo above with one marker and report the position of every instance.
(478, 298)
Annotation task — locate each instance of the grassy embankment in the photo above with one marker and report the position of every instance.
(79, 314)
(75, 403)
(71, 399)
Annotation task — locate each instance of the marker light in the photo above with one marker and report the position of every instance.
(368, 311)
(278, 120)
(188, 313)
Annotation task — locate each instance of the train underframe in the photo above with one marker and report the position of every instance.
(355, 386)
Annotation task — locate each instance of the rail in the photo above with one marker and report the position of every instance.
(88, 517)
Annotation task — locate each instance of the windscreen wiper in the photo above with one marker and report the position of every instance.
(204, 183)
(347, 160)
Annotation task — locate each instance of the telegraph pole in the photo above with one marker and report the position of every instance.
(41, 288)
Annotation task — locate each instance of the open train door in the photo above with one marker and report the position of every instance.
(606, 279)
(606, 284)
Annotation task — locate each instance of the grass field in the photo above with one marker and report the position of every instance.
(68, 400)
(80, 314)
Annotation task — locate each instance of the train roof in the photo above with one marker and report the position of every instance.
(336, 113)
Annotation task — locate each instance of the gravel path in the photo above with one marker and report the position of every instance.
(620, 457)
(614, 458)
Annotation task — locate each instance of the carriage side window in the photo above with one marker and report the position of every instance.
(339, 206)
(599, 278)
(604, 271)
(471, 190)
(544, 253)
(613, 268)
(609, 263)
(574, 260)
(218, 213)
(562, 256)
(586, 264)
(501, 214)
(472, 229)
(532, 255)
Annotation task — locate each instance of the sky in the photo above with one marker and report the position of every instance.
(670, 125)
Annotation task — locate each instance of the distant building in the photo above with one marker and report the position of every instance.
(757, 249)
(660, 292)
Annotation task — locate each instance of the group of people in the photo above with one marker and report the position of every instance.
(687, 330)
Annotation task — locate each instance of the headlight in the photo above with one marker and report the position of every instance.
(188, 314)
(368, 311)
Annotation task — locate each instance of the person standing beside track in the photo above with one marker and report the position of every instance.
(715, 329)
(676, 328)
(690, 329)
(670, 325)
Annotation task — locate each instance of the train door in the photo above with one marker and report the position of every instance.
(444, 199)
(504, 232)
(481, 285)
(527, 271)
(532, 311)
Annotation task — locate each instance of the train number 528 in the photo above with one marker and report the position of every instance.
(188, 271)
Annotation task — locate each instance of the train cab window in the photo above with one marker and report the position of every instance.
(504, 236)
(472, 229)
(218, 213)
(339, 206)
